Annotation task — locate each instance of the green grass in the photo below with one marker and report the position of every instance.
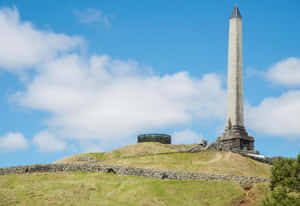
(108, 189)
(130, 150)
(258, 192)
(206, 161)
(97, 156)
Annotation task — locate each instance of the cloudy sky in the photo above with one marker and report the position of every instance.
(82, 76)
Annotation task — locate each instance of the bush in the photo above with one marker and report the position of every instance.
(285, 183)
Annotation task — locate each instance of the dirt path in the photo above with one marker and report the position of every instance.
(216, 159)
(247, 200)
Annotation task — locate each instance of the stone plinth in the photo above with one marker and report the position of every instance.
(236, 139)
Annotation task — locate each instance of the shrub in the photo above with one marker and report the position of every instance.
(285, 183)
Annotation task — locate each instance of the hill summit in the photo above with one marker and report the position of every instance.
(174, 157)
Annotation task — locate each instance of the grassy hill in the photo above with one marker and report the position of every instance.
(108, 189)
(76, 188)
(206, 161)
(130, 150)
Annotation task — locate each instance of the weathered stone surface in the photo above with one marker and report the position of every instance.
(213, 146)
(235, 136)
(130, 171)
(162, 138)
(235, 104)
(232, 145)
(197, 148)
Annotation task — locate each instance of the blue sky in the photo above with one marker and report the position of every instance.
(79, 76)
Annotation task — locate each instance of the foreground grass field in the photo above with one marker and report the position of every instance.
(108, 189)
(206, 161)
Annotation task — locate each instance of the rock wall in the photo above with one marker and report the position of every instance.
(162, 138)
(130, 171)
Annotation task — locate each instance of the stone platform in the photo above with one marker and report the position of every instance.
(236, 138)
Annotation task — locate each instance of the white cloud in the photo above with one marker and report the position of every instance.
(99, 98)
(24, 46)
(278, 116)
(108, 99)
(91, 16)
(102, 100)
(186, 136)
(13, 141)
(47, 142)
(285, 72)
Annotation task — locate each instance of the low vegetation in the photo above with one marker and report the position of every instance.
(108, 189)
(285, 183)
(206, 161)
(256, 194)
(130, 150)
(75, 188)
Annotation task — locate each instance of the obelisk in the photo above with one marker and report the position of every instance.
(235, 136)
(235, 105)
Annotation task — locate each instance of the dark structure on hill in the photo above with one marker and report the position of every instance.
(162, 138)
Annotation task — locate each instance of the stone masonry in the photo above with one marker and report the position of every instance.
(130, 171)
(235, 137)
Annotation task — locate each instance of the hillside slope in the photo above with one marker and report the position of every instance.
(108, 189)
(130, 150)
(75, 188)
(207, 161)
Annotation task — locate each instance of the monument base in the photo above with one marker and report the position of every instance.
(236, 139)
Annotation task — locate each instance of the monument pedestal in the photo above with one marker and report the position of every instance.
(236, 139)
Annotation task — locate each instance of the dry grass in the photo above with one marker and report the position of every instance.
(206, 161)
(107, 189)
(130, 150)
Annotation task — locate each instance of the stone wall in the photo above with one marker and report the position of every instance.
(162, 138)
(130, 171)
